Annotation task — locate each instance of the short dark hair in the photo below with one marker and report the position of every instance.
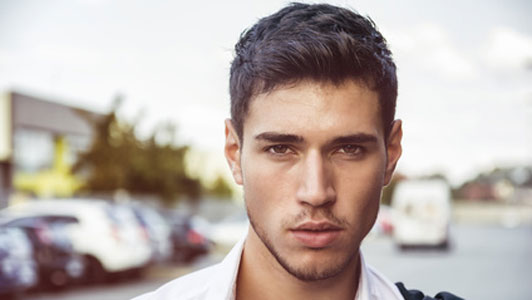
(320, 42)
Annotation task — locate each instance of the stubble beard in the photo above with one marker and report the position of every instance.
(304, 273)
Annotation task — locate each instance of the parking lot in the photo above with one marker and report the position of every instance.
(488, 262)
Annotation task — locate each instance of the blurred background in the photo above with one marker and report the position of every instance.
(111, 138)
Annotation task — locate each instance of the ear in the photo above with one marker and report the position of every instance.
(393, 150)
(232, 151)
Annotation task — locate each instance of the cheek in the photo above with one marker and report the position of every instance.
(359, 190)
(265, 188)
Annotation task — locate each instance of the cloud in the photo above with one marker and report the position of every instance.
(508, 50)
(429, 47)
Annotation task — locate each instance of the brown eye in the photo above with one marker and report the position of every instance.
(351, 149)
(278, 149)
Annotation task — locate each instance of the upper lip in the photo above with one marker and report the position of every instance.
(317, 226)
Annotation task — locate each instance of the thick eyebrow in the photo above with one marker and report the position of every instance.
(274, 137)
(354, 139)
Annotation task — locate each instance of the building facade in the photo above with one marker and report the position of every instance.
(39, 142)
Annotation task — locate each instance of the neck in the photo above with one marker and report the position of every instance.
(261, 277)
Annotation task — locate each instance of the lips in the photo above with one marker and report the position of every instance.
(316, 234)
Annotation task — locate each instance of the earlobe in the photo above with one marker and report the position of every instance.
(232, 151)
(393, 149)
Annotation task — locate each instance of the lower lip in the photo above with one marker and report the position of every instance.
(316, 239)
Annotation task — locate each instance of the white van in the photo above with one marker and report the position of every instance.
(421, 213)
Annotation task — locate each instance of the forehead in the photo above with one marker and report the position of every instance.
(316, 110)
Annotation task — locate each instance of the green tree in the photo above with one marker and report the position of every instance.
(220, 188)
(117, 159)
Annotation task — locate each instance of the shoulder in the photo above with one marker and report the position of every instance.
(418, 295)
(380, 286)
(190, 287)
(214, 282)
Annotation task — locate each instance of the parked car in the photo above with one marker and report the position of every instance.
(188, 243)
(18, 270)
(157, 229)
(57, 263)
(107, 236)
(422, 213)
(230, 230)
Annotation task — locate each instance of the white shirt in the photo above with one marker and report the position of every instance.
(218, 282)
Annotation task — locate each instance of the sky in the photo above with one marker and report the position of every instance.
(464, 68)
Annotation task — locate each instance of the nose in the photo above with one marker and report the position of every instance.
(315, 184)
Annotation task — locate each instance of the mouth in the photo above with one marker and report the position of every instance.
(316, 235)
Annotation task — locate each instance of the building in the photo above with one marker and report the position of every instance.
(39, 142)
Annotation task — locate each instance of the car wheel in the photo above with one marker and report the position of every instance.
(94, 271)
(444, 246)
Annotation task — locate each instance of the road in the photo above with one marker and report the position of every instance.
(485, 262)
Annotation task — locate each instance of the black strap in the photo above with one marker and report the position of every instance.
(418, 295)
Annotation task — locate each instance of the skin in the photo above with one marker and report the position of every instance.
(310, 152)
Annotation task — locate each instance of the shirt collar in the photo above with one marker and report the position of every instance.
(226, 285)
(366, 290)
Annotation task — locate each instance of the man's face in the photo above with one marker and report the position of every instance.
(312, 164)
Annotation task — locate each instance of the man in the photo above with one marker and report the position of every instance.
(312, 139)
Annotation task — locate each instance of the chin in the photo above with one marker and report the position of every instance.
(307, 264)
(318, 267)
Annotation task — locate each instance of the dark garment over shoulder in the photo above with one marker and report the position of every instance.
(418, 295)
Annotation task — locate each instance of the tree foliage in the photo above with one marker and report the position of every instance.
(118, 160)
(220, 188)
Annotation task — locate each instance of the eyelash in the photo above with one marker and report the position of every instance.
(271, 149)
(357, 150)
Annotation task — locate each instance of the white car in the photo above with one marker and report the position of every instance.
(421, 213)
(108, 236)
